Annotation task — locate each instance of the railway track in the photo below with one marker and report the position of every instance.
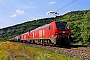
(75, 51)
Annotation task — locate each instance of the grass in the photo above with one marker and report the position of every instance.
(33, 52)
(17, 55)
(4, 55)
(41, 54)
(0, 41)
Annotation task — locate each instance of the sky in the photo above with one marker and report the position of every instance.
(14, 12)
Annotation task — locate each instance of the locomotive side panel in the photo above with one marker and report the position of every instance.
(40, 33)
(25, 36)
(44, 32)
(52, 29)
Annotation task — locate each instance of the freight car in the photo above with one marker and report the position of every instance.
(17, 38)
(57, 33)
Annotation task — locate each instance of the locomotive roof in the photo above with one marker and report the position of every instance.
(46, 25)
(24, 33)
(41, 27)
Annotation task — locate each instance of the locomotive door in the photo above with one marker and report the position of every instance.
(40, 33)
(44, 33)
(51, 31)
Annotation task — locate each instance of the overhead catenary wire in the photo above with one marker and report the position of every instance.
(52, 6)
(84, 5)
(67, 5)
(64, 6)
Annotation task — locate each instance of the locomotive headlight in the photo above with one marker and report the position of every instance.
(67, 27)
(63, 31)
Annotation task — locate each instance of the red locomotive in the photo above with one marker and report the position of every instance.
(24, 37)
(58, 33)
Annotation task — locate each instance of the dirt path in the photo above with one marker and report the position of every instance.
(12, 57)
(24, 55)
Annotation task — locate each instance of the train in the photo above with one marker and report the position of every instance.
(55, 33)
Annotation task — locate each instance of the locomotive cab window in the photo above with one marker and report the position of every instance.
(61, 25)
(48, 27)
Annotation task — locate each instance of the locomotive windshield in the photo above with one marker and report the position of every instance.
(61, 25)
